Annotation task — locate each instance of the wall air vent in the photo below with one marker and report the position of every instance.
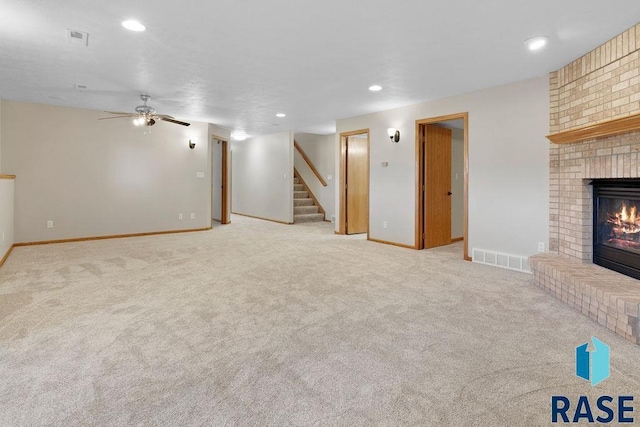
(77, 37)
(497, 259)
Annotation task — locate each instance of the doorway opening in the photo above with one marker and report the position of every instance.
(219, 179)
(354, 182)
(442, 170)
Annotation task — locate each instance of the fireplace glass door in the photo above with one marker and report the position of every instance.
(619, 223)
(616, 225)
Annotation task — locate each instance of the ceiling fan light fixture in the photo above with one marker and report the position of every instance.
(133, 25)
(145, 115)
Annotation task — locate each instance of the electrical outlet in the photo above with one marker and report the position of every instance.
(180, 216)
(384, 224)
(540, 246)
(49, 224)
(199, 174)
(193, 216)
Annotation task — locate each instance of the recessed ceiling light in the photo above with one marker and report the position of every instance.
(375, 88)
(133, 25)
(536, 43)
(281, 115)
(239, 135)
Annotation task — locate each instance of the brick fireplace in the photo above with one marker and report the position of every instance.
(595, 134)
(573, 167)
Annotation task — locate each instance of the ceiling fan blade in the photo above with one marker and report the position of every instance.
(165, 116)
(178, 122)
(120, 113)
(116, 117)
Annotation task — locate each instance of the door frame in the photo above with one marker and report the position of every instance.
(342, 217)
(419, 241)
(224, 194)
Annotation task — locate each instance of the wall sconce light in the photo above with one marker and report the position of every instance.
(394, 134)
(192, 145)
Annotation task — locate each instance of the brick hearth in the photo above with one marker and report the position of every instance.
(607, 297)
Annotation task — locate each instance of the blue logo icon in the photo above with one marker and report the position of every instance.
(593, 365)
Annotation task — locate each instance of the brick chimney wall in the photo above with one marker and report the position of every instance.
(600, 86)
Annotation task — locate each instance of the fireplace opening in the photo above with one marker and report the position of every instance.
(616, 225)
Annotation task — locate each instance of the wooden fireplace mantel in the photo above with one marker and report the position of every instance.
(598, 130)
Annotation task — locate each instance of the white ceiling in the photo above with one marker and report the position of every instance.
(237, 63)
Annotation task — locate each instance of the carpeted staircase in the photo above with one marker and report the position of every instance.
(304, 208)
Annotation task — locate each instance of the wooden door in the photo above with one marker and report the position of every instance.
(225, 194)
(219, 177)
(437, 179)
(357, 185)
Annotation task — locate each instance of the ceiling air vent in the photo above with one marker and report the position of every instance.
(77, 37)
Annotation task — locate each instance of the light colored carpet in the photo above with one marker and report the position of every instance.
(257, 323)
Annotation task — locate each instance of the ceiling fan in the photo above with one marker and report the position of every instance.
(145, 115)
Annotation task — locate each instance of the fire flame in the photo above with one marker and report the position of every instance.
(627, 221)
(626, 217)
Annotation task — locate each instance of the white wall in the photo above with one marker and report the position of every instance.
(6, 215)
(262, 176)
(6, 206)
(321, 151)
(508, 166)
(216, 170)
(457, 183)
(0, 136)
(101, 177)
